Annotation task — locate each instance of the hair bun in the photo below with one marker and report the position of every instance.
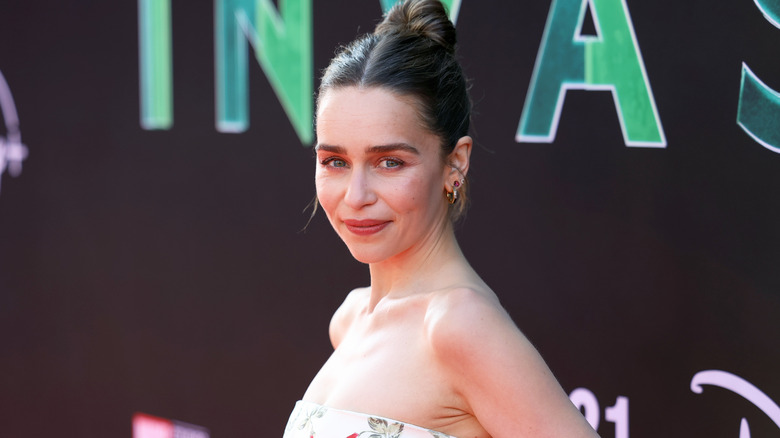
(425, 18)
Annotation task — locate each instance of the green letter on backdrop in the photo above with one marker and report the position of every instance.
(609, 61)
(453, 7)
(154, 40)
(759, 106)
(283, 45)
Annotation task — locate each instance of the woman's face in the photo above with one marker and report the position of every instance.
(380, 176)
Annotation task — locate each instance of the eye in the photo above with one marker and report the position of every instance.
(390, 163)
(333, 162)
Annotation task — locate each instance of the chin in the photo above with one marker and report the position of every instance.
(367, 257)
(369, 253)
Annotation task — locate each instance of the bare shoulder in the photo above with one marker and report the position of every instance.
(501, 377)
(345, 314)
(462, 319)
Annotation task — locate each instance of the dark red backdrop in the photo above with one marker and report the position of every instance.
(165, 271)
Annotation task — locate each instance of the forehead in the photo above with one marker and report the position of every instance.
(368, 117)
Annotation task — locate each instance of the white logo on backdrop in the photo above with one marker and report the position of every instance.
(739, 386)
(12, 151)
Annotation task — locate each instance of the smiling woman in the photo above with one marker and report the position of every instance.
(427, 343)
(382, 186)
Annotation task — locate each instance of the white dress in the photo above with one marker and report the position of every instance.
(310, 420)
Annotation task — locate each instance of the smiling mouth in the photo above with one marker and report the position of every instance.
(365, 227)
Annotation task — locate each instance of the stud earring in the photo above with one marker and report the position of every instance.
(459, 182)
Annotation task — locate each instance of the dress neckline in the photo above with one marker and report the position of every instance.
(318, 418)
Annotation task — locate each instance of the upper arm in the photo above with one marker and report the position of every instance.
(502, 378)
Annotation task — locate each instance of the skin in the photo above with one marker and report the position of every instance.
(427, 342)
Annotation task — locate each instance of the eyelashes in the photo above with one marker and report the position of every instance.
(391, 163)
(383, 163)
(333, 162)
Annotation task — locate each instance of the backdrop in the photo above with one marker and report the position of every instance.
(156, 163)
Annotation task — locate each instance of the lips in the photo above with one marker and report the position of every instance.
(365, 227)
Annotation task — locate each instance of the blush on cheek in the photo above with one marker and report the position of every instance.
(326, 206)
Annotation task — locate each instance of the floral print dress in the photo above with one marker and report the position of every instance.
(310, 420)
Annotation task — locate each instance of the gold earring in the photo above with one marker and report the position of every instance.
(452, 196)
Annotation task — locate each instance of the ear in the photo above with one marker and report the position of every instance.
(460, 156)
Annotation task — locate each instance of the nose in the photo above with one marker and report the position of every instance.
(359, 190)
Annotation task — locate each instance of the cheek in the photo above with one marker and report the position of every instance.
(414, 194)
(326, 193)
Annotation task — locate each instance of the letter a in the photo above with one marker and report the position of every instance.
(610, 61)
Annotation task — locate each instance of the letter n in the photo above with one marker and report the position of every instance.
(282, 42)
(156, 69)
(610, 61)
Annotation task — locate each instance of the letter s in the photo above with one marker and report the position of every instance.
(758, 112)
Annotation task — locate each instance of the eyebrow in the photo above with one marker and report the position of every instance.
(329, 148)
(373, 149)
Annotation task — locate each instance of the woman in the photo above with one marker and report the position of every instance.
(426, 350)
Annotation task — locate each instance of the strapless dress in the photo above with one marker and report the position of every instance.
(310, 420)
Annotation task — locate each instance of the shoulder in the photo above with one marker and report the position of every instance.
(465, 321)
(503, 380)
(345, 314)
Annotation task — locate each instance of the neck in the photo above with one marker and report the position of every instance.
(432, 264)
